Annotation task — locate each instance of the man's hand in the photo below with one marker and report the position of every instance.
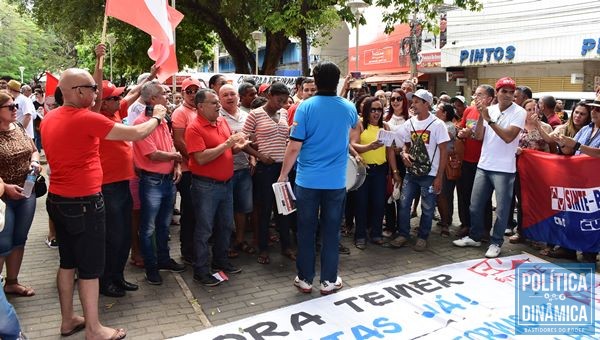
(563, 141)
(482, 108)
(177, 174)
(153, 72)
(407, 160)
(464, 133)
(437, 185)
(159, 111)
(177, 157)
(100, 50)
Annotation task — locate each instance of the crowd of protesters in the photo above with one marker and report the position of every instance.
(117, 157)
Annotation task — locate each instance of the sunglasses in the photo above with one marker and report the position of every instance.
(93, 87)
(188, 91)
(11, 106)
(376, 109)
(396, 99)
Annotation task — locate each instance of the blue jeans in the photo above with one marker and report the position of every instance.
(118, 205)
(265, 176)
(242, 191)
(19, 215)
(330, 204)
(187, 220)
(157, 195)
(370, 203)
(411, 188)
(213, 206)
(485, 183)
(9, 323)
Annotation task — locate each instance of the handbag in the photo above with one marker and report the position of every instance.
(40, 186)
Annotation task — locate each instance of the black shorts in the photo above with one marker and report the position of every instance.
(80, 231)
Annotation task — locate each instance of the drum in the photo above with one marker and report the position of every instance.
(355, 174)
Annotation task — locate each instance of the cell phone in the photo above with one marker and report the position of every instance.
(149, 110)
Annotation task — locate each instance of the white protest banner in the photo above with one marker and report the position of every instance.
(469, 300)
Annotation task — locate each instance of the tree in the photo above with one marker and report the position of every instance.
(29, 47)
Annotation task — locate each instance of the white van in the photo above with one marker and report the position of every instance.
(569, 99)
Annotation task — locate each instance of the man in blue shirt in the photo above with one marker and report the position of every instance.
(319, 140)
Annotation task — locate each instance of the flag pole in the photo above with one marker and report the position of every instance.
(103, 40)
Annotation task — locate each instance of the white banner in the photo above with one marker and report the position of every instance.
(469, 300)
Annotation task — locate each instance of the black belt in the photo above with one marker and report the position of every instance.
(80, 198)
(210, 180)
(156, 174)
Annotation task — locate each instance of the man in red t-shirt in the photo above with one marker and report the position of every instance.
(472, 147)
(547, 105)
(210, 146)
(116, 158)
(71, 136)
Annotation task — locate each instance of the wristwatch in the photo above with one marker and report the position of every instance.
(577, 146)
(491, 122)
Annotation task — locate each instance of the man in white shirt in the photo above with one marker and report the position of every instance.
(26, 112)
(499, 126)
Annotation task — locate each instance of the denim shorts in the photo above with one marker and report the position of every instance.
(80, 231)
(242, 191)
(19, 215)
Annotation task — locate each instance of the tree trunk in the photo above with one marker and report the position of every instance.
(276, 43)
(304, 53)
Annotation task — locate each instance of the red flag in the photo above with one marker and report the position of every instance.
(159, 20)
(51, 84)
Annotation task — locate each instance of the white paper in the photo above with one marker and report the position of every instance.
(284, 197)
(388, 137)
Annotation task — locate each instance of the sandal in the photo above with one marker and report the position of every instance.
(562, 253)
(346, 231)
(516, 238)
(245, 247)
(445, 231)
(545, 251)
(379, 242)
(263, 259)
(290, 254)
(21, 291)
(137, 263)
(119, 334)
(360, 245)
(232, 254)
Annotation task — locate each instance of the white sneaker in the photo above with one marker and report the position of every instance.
(493, 251)
(328, 287)
(466, 242)
(302, 285)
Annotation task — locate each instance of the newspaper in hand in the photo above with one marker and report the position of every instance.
(387, 137)
(284, 196)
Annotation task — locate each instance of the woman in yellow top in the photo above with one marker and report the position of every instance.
(370, 197)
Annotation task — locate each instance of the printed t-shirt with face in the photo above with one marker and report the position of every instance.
(71, 139)
(182, 117)
(497, 155)
(472, 146)
(435, 134)
(202, 135)
(116, 156)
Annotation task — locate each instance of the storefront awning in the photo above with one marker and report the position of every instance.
(389, 78)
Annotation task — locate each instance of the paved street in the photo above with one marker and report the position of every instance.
(181, 306)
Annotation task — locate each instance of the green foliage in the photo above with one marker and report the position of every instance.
(427, 11)
(22, 43)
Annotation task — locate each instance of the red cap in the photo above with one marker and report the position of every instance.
(505, 82)
(110, 90)
(263, 87)
(189, 82)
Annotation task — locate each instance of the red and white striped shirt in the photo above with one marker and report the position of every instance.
(271, 137)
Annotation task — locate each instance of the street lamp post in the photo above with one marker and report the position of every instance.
(21, 68)
(198, 53)
(111, 39)
(256, 36)
(357, 7)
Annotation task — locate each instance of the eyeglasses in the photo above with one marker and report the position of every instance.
(188, 91)
(11, 106)
(211, 103)
(397, 99)
(376, 109)
(93, 87)
(115, 98)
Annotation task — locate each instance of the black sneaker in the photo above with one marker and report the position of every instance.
(343, 250)
(187, 260)
(227, 268)
(206, 279)
(153, 277)
(172, 266)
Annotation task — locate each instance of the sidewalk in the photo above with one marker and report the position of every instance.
(181, 306)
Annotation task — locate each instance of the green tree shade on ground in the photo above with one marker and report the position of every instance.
(22, 43)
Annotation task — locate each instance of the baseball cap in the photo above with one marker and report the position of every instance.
(425, 95)
(505, 82)
(461, 98)
(189, 82)
(14, 85)
(262, 88)
(110, 90)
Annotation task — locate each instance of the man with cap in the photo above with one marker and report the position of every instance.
(183, 116)
(459, 103)
(26, 111)
(434, 134)
(499, 126)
